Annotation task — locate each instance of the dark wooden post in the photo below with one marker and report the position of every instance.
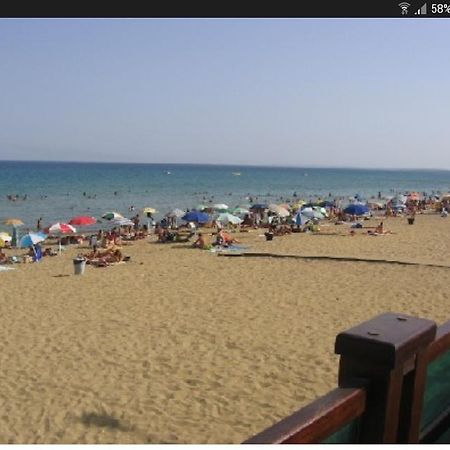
(386, 354)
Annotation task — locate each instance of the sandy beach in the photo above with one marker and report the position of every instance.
(181, 345)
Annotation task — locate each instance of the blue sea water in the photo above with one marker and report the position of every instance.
(55, 190)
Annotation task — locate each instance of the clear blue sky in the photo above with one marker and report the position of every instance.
(300, 92)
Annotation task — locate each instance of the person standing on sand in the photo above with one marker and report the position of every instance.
(94, 243)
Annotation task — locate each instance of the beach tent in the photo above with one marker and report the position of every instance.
(357, 209)
(196, 216)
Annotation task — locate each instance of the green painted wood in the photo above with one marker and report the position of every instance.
(437, 389)
(346, 435)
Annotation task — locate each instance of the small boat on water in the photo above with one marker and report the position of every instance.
(236, 173)
(168, 173)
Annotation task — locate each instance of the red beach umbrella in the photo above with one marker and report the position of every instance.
(82, 220)
(60, 228)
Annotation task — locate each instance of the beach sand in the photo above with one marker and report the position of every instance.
(182, 346)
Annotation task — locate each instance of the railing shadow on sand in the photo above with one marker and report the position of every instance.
(393, 387)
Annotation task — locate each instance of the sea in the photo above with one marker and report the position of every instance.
(58, 191)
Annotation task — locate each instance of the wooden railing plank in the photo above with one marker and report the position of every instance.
(316, 421)
(323, 417)
(441, 344)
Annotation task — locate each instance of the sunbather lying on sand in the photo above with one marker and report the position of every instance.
(379, 230)
(104, 258)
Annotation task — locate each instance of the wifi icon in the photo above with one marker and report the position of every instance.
(404, 6)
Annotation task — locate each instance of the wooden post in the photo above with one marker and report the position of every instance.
(386, 354)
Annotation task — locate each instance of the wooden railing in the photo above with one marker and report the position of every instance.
(381, 383)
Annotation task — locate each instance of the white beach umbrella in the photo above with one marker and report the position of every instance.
(225, 218)
(279, 210)
(124, 222)
(220, 206)
(176, 213)
(311, 213)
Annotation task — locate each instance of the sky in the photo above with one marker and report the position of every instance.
(368, 93)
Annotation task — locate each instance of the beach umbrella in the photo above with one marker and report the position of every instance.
(13, 222)
(176, 213)
(259, 206)
(60, 228)
(110, 215)
(220, 206)
(2, 243)
(201, 207)
(279, 210)
(149, 210)
(446, 197)
(228, 218)
(83, 221)
(122, 222)
(356, 209)
(375, 205)
(196, 216)
(311, 213)
(322, 210)
(5, 237)
(240, 210)
(300, 219)
(31, 239)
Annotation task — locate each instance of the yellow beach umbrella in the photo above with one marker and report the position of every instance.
(149, 210)
(13, 222)
(2, 243)
(5, 236)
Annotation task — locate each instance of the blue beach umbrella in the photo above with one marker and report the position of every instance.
(196, 216)
(357, 209)
(31, 239)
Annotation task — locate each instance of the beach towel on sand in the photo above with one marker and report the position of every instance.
(232, 248)
(4, 269)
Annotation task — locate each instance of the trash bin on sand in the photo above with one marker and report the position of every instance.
(269, 236)
(79, 264)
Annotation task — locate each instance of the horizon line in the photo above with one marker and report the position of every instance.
(226, 165)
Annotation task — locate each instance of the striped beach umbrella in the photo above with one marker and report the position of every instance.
(110, 215)
(31, 239)
(60, 228)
